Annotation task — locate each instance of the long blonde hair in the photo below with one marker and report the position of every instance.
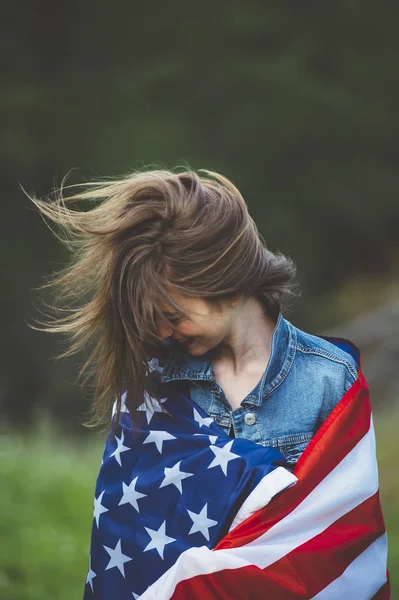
(150, 229)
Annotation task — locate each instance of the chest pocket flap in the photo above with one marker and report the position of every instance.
(291, 446)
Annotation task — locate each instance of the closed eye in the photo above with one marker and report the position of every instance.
(176, 320)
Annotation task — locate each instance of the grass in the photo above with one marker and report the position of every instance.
(386, 428)
(46, 504)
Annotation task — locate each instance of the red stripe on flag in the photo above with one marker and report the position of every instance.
(383, 593)
(347, 425)
(223, 585)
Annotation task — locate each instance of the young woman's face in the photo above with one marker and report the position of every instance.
(204, 329)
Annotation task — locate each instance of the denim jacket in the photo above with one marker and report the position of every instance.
(304, 379)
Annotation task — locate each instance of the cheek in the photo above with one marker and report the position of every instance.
(209, 327)
(188, 329)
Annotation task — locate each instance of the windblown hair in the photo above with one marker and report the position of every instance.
(148, 230)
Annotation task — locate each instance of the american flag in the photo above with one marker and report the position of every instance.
(184, 511)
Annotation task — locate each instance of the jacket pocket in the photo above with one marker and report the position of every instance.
(291, 446)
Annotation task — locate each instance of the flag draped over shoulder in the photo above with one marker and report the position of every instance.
(184, 511)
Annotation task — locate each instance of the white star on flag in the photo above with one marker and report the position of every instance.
(158, 438)
(212, 438)
(154, 365)
(222, 456)
(130, 494)
(99, 509)
(90, 576)
(120, 448)
(175, 476)
(118, 559)
(150, 406)
(202, 420)
(159, 539)
(201, 522)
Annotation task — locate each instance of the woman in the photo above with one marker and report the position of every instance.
(166, 257)
(171, 268)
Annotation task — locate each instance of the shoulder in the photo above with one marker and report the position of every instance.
(325, 354)
(324, 367)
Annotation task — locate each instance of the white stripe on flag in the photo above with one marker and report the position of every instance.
(267, 488)
(365, 575)
(351, 482)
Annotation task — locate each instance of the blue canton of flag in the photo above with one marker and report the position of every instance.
(182, 483)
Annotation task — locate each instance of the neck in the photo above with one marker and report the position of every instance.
(247, 345)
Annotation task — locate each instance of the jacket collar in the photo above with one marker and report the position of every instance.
(181, 365)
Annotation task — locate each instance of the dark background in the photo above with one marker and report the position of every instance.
(295, 102)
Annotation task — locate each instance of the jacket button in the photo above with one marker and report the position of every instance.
(250, 418)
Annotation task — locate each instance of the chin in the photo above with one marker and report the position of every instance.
(195, 350)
